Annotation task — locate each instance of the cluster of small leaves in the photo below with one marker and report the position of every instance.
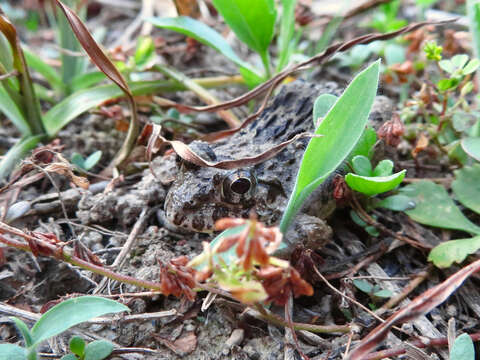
(457, 67)
(240, 261)
(434, 207)
(96, 350)
(374, 291)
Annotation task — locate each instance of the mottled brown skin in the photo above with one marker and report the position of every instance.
(200, 196)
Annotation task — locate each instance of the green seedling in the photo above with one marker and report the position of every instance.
(253, 23)
(86, 164)
(96, 350)
(372, 230)
(385, 19)
(55, 321)
(370, 181)
(374, 291)
(458, 67)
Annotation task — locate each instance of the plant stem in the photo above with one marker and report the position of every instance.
(277, 320)
(266, 64)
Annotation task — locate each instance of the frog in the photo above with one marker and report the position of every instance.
(199, 196)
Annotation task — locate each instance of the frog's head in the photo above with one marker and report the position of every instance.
(200, 196)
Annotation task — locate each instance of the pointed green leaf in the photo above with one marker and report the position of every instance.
(24, 330)
(342, 127)
(206, 35)
(252, 21)
(16, 153)
(72, 312)
(287, 27)
(9, 108)
(435, 208)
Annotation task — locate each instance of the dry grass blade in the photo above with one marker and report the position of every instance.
(184, 151)
(419, 306)
(92, 49)
(100, 59)
(335, 48)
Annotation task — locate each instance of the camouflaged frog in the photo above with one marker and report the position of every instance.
(200, 195)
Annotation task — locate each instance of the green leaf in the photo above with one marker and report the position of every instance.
(463, 348)
(471, 146)
(473, 14)
(447, 66)
(363, 286)
(384, 293)
(374, 185)
(12, 352)
(206, 35)
(445, 254)
(10, 109)
(383, 168)
(365, 145)
(397, 203)
(17, 152)
(83, 81)
(447, 84)
(471, 67)
(98, 350)
(435, 208)
(361, 165)
(466, 187)
(78, 161)
(72, 312)
(48, 72)
(24, 330)
(342, 128)
(92, 160)
(459, 60)
(394, 54)
(287, 27)
(77, 345)
(322, 106)
(145, 51)
(69, 357)
(252, 21)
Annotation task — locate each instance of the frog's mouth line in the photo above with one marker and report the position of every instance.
(201, 218)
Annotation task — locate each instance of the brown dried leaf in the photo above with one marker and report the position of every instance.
(184, 151)
(421, 305)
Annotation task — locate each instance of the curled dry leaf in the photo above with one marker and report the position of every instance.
(254, 244)
(177, 278)
(392, 131)
(187, 154)
(279, 283)
(422, 143)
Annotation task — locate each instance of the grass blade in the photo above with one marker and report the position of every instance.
(342, 128)
(17, 152)
(287, 27)
(12, 112)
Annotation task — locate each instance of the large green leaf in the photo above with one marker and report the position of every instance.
(252, 21)
(445, 254)
(12, 352)
(435, 208)
(206, 35)
(466, 187)
(341, 128)
(72, 312)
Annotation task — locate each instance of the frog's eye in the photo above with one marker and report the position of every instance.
(238, 186)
